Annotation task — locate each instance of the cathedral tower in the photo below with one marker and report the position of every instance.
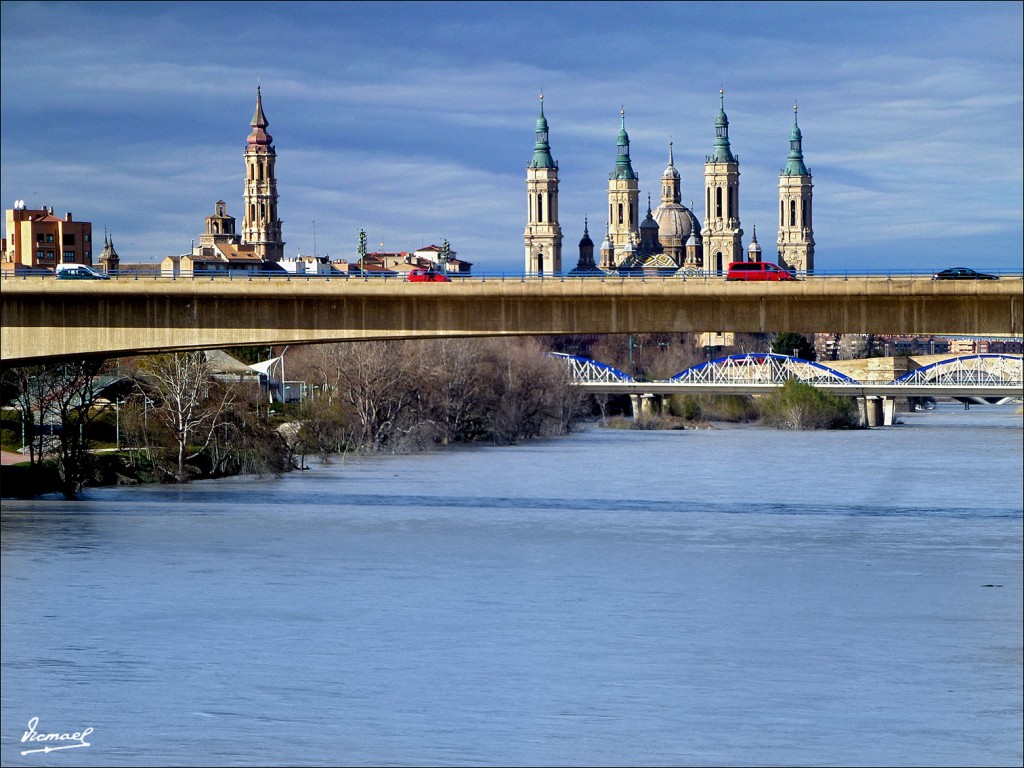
(543, 236)
(676, 223)
(796, 232)
(586, 264)
(623, 196)
(260, 226)
(722, 234)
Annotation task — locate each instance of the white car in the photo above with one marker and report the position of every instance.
(79, 272)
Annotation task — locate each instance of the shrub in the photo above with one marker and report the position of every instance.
(801, 406)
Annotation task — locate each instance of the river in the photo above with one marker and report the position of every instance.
(734, 596)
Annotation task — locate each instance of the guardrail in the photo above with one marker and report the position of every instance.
(615, 277)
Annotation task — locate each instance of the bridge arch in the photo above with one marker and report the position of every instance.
(585, 369)
(976, 370)
(761, 367)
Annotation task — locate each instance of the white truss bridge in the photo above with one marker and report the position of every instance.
(990, 376)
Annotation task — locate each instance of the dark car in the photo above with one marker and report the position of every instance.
(427, 276)
(962, 273)
(79, 272)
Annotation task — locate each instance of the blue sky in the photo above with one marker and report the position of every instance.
(415, 121)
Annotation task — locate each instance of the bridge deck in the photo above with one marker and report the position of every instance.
(46, 318)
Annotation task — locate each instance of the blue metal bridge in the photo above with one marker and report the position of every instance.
(987, 378)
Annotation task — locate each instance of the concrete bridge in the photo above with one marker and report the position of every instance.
(43, 318)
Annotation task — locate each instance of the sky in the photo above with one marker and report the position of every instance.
(415, 121)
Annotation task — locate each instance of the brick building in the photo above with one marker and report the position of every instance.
(37, 238)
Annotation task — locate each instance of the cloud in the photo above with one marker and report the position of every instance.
(424, 132)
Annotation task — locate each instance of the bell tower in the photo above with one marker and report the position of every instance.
(796, 230)
(722, 234)
(623, 197)
(260, 226)
(543, 236)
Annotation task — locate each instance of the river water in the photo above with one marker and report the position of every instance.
(736, 596)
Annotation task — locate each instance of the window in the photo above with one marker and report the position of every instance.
(620, 213)
(49, 238)
(40, 254)
(69, 239)
(69, 255)
(88, 255)
(718, 203)
(540, 207)
(49, 255)
(39, 237)
(792, 213)
(87, 237)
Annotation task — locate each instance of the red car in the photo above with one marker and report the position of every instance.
(427, 276)
(756, 270)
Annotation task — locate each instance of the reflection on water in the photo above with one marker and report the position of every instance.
(697, 597)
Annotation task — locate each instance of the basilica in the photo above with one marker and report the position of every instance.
(669, 238)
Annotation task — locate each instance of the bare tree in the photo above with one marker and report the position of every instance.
(456, 387)
(34, 397)
(181, 387)
(62, 397)
(373, 382)
(527, 390)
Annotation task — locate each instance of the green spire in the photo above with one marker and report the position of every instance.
(795, 162)
(721, 153)
(541, 150)
(623, 166)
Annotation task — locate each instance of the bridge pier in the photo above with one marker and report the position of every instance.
(877, 411)
(646, 405)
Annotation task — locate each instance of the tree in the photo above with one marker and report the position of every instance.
(244, 443)
(529, 393)
(62, 396)
(33, 398)
(455, 386)
(180, 386)
(797, 405)
(790, 343)
(75, 390)
(374, 386)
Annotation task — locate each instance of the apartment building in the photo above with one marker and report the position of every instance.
(37, 238)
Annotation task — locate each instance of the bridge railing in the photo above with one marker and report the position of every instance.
(40, 273)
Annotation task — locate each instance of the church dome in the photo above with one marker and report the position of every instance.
(675, 223)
